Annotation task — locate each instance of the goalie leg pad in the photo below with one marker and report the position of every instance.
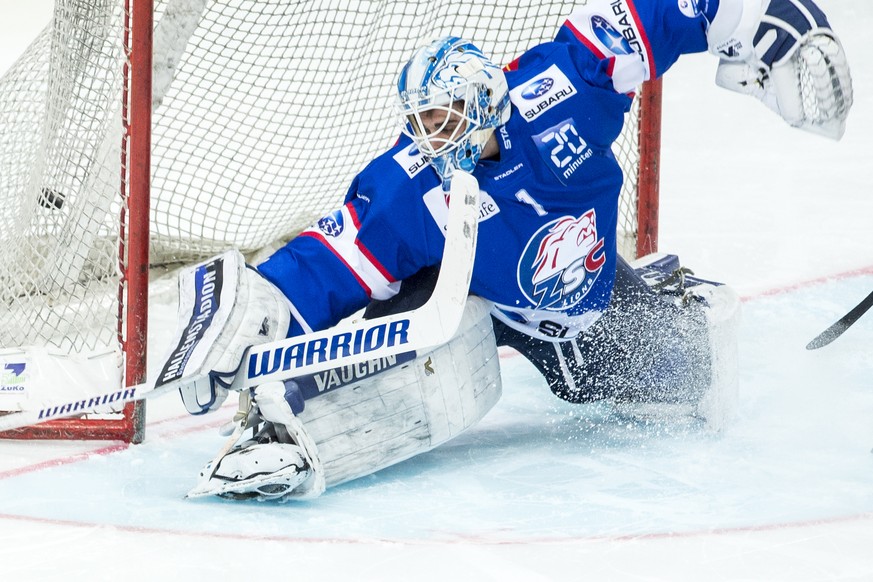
(647, 346)
(355, 422)
(363, 425)
(665, 347)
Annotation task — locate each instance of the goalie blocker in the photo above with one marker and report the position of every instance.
(224, 307)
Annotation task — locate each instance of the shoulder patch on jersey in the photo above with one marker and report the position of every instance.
(332, 224)
(411, 160)
(437, 204)
(541, 93)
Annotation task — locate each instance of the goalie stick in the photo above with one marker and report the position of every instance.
(432, 324)
(844, 323)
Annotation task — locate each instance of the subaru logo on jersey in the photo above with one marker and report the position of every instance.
(611, 38)
(411, 160)
(332, 224)
(538, 88)
(561, 262)
(556, 90)
(620, 34)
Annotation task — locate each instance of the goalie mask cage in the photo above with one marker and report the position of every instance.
(260, 113)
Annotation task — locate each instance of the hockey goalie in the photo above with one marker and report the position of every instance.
(546, 281)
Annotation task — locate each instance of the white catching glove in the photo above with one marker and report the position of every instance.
(784, 53)
(224, 307)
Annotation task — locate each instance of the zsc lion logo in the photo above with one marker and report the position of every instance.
(561, 262)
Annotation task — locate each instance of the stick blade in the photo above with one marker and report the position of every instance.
(827, 336)
(845, 322)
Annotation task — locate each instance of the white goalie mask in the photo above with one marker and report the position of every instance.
(451, 98)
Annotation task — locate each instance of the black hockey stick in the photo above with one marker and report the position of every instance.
(845, 322)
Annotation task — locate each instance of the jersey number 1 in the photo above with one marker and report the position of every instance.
(523, 196)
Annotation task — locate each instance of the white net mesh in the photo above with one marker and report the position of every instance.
(60, 152)
(263, 112)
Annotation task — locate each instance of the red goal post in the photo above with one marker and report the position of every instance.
(648, 171)
(136, 133)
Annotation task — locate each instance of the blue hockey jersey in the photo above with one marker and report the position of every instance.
(546, 250)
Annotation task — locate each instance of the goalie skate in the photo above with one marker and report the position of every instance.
(665, 274)
(721, 308)
(263, 471)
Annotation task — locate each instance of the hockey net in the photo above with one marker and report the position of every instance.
(263, 110)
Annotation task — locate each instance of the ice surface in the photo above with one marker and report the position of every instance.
(542, 490)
